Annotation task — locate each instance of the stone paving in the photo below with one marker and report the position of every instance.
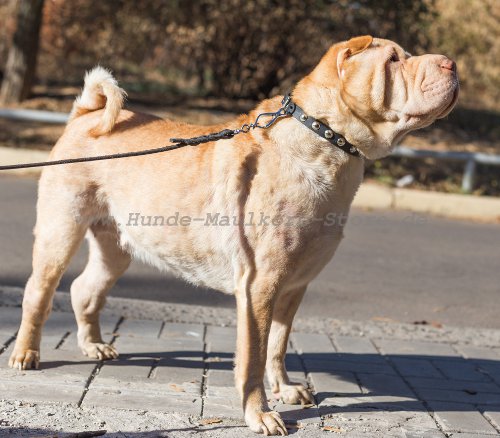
(368, 386)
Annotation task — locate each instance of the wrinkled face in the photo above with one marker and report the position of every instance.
(388, 89)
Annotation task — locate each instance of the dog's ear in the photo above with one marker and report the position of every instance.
(326, 71)
(352, 47)
(358, 44)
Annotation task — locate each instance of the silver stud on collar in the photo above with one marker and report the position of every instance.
(315, 125)
(328, 133)
(352, 149)
(303, 117)
(341, 141)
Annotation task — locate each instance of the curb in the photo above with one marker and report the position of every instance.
(369, 196)
(11, 296)
(15, 156)
(481, 208)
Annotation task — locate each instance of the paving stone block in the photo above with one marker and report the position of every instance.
(189, 362)
(297, 414)
(5, 338)
(158, 348)
(492, 369)
(30, 391)
(59, 323)
(454, 385)
(222, 391)
(314, 365)
(180, 331)
(424, 350)
(352, 357)
(460, 370)
(66, 363)
(189, 378)
(221, 350)
(228, 407)
(381, 384)
(215, 331)
(417, 432)
(479, 353)
(367, 403)
(355, 345)
(471, 435)
(492, 413)
(142, 400)
(293, 363)
(134, 374)
(10, 319)
(221, 339)
(140, 328)
(129, 348)
(220, 378)
(457, 417)
(120, 370)
(329, 384)
(416, 367)
(70, 342)
(457, 396)
(355, 349)
(307, 343)
(415, 424)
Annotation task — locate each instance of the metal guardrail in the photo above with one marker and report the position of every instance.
(471, 159)
(34, 115)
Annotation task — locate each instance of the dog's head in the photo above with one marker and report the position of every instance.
(374, 92)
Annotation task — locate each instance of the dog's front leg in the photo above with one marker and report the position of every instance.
(284, 311)
(255, 309)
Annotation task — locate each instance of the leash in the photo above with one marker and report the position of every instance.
(288, 109)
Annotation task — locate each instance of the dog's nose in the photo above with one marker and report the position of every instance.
(448, 64)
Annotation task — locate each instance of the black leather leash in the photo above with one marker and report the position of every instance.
(288, 108)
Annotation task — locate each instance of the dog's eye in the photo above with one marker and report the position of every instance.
(394, 57)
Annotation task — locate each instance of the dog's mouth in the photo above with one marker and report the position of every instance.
(452, 102)
(443, 91)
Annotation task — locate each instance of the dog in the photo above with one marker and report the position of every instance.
(367, 89)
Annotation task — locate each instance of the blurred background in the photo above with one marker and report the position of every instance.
(204, 60)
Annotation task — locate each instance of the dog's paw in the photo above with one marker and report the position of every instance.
(97, 350)
(295, 394)
(24, 359)
(268, 423)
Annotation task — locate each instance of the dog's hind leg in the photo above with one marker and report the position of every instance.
(58, 235)
(107, 262)
(284, 311)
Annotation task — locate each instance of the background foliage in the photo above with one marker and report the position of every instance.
(237, 48)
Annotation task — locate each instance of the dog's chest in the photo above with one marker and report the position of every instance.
(271, 219)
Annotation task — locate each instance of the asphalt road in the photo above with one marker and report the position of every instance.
(391, 265)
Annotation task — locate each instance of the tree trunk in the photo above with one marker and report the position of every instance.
(21, 61)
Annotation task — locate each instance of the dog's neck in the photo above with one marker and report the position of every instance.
(322, 167)
(327, 105)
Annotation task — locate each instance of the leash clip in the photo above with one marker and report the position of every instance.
(286, 100)
(288, 105)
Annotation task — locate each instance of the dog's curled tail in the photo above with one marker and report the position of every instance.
(101, 91)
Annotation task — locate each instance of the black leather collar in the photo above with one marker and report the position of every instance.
(319, 128)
